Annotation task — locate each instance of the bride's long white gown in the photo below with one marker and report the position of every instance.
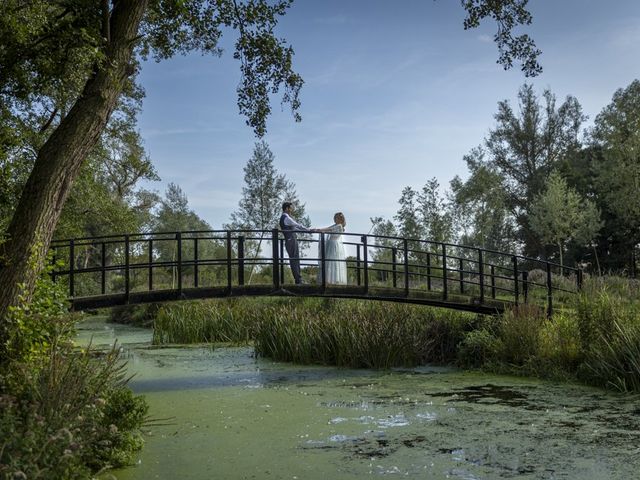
(336, 267)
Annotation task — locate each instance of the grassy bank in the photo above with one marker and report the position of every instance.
(595, 340)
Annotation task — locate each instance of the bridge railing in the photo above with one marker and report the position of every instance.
(122, 264)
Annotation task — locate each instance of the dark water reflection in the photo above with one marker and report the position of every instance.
(235, 416)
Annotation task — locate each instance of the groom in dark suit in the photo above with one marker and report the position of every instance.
(289, 228)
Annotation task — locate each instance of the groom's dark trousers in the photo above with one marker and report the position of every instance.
(291, 244)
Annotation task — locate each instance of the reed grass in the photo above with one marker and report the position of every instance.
(595, 338)
(209, 321)
(362, 335)
(332, 332)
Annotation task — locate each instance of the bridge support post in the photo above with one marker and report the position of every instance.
(275, 263)
(241, 260)
(195, 262)
(103, 269)
(358, 273)
(429, 271)
(461, 265)
(493, 282)
(579, 279)
(549, 292)
(281, 258)
(150, 274)
(229, 264)
(516, 289)
(323, 265)
(72, 265)
(445, 286)
(481, 274)
(127, 285)
(405, 246)
(365, 260)
(394, 253)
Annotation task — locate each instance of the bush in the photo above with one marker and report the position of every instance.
(560, 341)
(478, 348)
(64, 414)
(519, 332)
(31, 326)
(71, 417)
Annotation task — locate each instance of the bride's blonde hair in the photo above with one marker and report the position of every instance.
(339, 218)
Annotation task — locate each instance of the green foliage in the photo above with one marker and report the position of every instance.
(481, 208)
(596, 341)
(522, 150)
(69, 418)
(559, 342)
(344, 333)
(558, 214)
(508, 14)
(478, 348)
(519, 331)
(617, 174)
(32, 326)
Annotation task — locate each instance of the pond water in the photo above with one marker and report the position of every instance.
(224, 414)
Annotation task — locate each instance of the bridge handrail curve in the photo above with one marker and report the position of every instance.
(474, 275)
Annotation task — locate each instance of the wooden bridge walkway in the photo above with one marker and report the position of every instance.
(138, 268)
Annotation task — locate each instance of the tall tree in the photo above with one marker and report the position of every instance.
(435, 214)
(524, 148)
(483, 218)
(559, 214)
(616, 134)
(175, 215)
(407, 218)
(264, 192)
(262, 196)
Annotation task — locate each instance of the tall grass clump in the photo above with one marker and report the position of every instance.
(596, 339)
(208, 321)
(360, 334)
(609, 317)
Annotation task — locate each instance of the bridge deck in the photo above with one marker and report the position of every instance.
(458, 302)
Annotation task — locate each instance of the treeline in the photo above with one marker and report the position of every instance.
(542, 184)
(107, 197)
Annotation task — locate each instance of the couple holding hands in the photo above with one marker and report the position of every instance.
(336, 267)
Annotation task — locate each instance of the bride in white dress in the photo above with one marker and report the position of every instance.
(336, 266)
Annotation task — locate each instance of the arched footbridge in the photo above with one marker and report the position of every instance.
(163, 266)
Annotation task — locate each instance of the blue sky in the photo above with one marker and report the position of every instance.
(396, 92)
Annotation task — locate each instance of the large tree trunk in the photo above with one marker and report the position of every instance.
(60, 158)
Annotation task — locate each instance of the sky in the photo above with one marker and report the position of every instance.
(396, 92)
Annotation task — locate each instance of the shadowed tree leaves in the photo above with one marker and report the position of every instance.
(508, 14)
(617, 175)
(525, 146)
